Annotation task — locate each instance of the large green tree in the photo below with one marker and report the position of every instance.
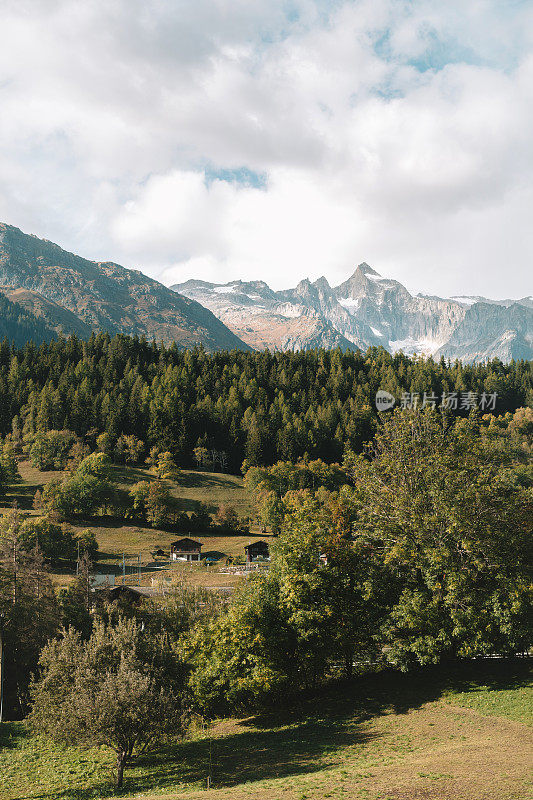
(454, 524)
(29, 612)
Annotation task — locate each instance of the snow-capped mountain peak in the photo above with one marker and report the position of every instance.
(368, 309)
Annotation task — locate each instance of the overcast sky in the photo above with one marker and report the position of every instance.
(275, 139)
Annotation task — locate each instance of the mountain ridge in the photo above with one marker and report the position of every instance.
(65, 294)
(369, 310)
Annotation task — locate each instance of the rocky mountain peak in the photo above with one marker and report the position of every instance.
(365, 269)
(322, 284)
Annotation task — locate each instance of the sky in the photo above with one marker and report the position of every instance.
(275, 139)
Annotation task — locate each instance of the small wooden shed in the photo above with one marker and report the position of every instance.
(185, 550)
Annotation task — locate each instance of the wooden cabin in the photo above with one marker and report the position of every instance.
(185, 550)
(122, 595)
(257, 550)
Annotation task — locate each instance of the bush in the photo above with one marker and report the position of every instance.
(88, 544)
(152, 500)
(227, 519)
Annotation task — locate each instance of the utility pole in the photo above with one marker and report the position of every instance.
(123, 569)
(1, 667)
(210, 775)
(139, 569)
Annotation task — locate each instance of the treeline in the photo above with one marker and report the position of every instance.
(262, 407)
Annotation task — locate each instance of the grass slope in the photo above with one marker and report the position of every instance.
(391, 736)
(117, 537)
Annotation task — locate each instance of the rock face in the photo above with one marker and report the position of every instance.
(365, 310)
(488, 330)
(102, 296)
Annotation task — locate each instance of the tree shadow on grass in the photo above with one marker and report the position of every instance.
(187, 504)
(357, 701)
(304, 737)
(248, 755)
(496, 674)
(11, 734)
(21, 495)
(207, 480)
(129, 475)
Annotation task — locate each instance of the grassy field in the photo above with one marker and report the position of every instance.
(391, 736)
(504, 692)
(117, 537)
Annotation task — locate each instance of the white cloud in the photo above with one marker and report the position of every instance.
(392, 132)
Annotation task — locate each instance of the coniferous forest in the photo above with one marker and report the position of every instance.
(260, 406)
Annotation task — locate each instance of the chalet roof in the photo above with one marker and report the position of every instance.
(261, 544)
(121, 593)
(186, 544)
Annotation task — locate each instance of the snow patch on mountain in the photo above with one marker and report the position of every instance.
(350, 303)
(413, 346)
(224, 289)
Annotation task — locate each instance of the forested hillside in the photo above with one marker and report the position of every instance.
(259, 406)
(20, 326)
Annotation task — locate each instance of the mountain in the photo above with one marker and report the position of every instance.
(366, 310)
(259, 317)
(48, 291)
(471, 299)
(102, 296)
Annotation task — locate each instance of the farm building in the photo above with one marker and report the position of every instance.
(257, 550)
(123, 595)
(185, 550)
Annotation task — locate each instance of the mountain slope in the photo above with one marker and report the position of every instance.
(20, 326)
(59, 319)
(366, 310)
(106, 296)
